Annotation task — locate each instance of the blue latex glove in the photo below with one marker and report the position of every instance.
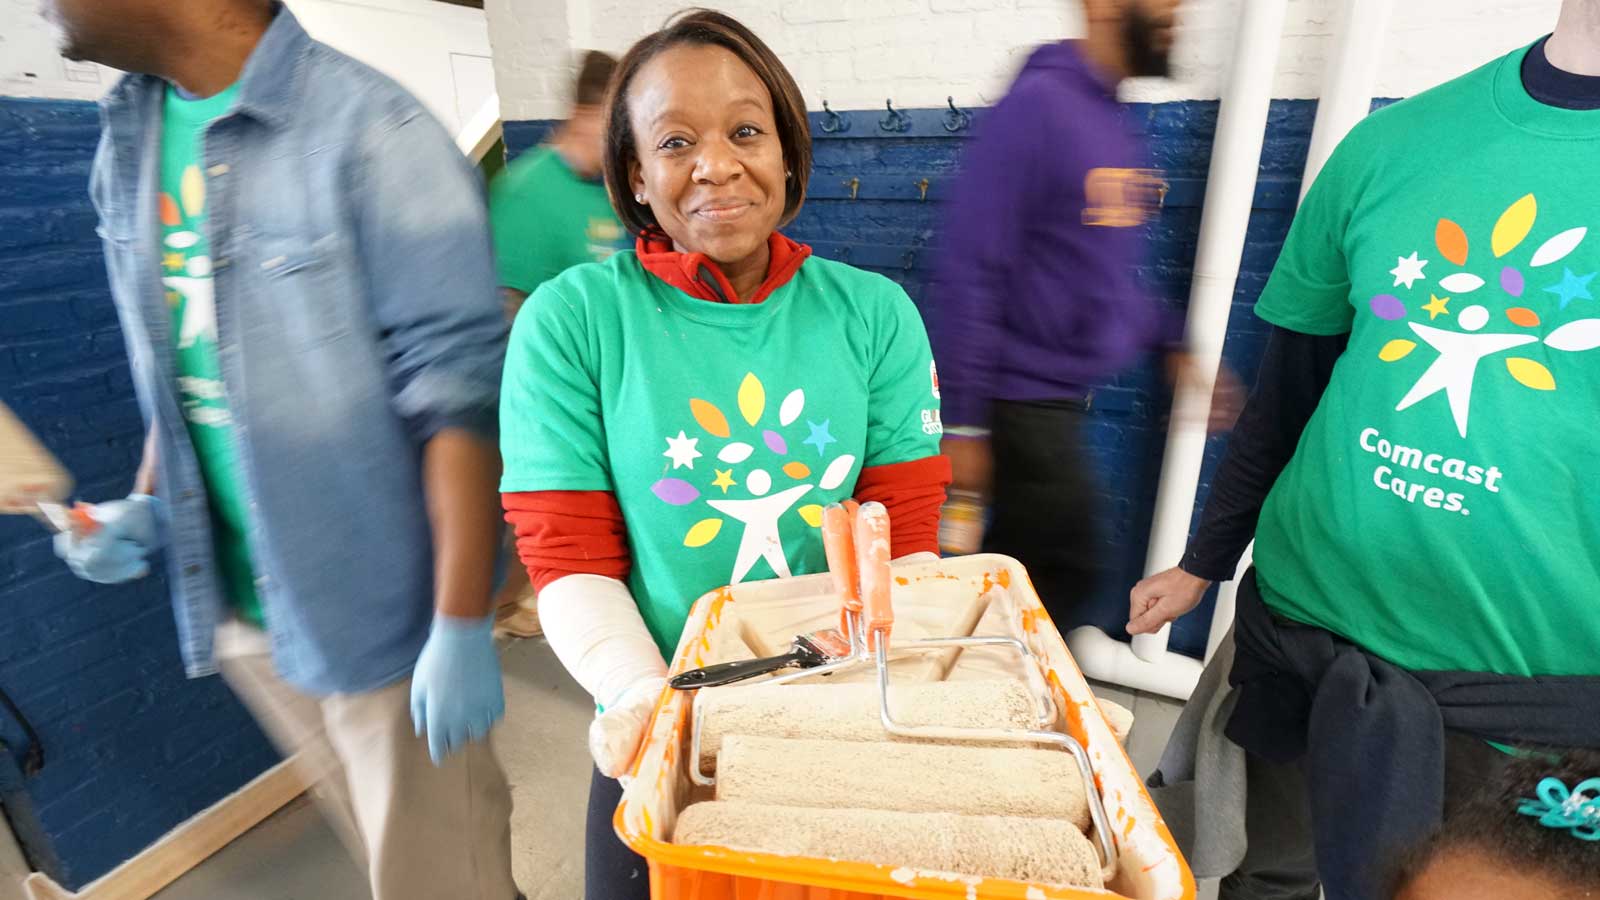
(456, 694)
(130, 531)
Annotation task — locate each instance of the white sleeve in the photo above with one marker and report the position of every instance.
(594, 626)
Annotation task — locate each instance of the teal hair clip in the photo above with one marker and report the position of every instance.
(1576, 810)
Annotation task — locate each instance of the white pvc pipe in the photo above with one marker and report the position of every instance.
(1230, 194)
(1349, 80)
(1104, 658)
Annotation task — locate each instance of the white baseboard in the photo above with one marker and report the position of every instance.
(186, 846)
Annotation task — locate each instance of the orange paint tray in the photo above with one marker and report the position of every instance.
(1151, 866)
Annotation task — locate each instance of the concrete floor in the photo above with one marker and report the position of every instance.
(294, 855)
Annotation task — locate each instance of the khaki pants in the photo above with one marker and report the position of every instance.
(423, 832)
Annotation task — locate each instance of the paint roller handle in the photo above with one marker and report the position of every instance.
(83, 523)
(838, 543)
(872, 555)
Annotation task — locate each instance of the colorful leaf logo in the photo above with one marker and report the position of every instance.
(1531, 374)
(1583, 334)
(1452, 241)
(1521, 315)
(1396, 349)
(1557, 248)
(750, 503)
(1513, 226)
(710, 418)
(702, 533)
(752, 398)
(791, 408)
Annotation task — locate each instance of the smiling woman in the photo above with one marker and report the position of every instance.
(708, 139)
(675, 419)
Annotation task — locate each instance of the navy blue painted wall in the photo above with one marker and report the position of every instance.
(131, 747)
(889, 228)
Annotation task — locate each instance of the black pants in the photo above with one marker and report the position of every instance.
(610, 871)
(1044, 510)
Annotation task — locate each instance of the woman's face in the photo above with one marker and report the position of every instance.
(709, 161)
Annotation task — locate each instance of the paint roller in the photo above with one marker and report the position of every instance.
(1041, 851)
(902, 777)
(850, 712)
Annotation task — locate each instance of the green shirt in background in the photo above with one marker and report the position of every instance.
(186, 271)
(1440, 511)
(546, 219)
(723, 429)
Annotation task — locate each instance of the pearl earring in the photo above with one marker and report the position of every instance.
(638, 198)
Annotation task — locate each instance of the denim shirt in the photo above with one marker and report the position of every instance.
(357, 315)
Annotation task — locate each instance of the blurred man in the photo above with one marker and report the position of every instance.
(1036, 295)
(1411, 466)
(549, 207)
(300, 261)
(550, 212)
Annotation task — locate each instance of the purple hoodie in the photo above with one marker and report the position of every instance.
(1035, 292)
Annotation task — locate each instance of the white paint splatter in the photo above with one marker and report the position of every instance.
(904, 876)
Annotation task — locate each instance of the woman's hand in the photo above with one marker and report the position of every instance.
(1163, 597)
(617, 732)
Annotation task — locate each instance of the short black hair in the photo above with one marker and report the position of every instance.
(1489, 825)
(594, 76)
(705, 27)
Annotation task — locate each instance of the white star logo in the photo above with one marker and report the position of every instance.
(761, 538)
(1408, 271)
(1453, 372)
(681, 450)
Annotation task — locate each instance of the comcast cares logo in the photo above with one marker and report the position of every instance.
(752, 472)
(1532, 311)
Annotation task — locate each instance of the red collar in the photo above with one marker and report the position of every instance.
(699, 277)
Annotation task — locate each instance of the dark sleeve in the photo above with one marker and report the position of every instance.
(1295, 370)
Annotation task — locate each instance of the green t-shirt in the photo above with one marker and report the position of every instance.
(546, 220)
(1439, 511)
(186, 273)
(723, 429)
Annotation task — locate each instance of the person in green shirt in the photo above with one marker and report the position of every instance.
(1420, 597)
(548, 210)
(676, 418)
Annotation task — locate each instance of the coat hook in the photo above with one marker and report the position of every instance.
(832, 122)
(854, 185)
(955, 120)
(922, 189)
(894, 120)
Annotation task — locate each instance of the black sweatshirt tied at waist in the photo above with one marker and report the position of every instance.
(1372, 733)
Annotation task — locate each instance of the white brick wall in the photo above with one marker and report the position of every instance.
(439, 51)
(29, 65)
(857, 53)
